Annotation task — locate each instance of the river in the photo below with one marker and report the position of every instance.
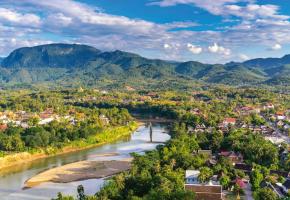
(12, 180)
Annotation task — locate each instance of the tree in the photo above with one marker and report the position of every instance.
(81, 193)
(225, 181)
(256, 178)
(61, 197)
(33, 121)
(217, 138)
(265, 194)
(205, 174)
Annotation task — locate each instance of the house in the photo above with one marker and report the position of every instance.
(275, 139)
(246, 110)
(229, 121)
(45, 120)
(3, 127)
(286, 127)
(280, 123)
(3, 116)
(206, 153)
(244, 167)
(268, 106)
(208, 191)
(232, 156)
(286, 186)
(275, 188)
(153, 94)
(280, 115)
(195, 111)
(104, 92)
(280, 173)
(129, 88)
(191, 176)
(105, 120)
(200, 128)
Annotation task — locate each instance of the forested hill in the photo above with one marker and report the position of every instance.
(72, 64)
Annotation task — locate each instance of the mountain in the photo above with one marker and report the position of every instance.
(73, 64)
(52, 56)
(267, 63)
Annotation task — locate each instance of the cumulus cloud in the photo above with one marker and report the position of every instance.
(214, 7)
(167, 46)
(13, 17)
(194, 49)
(244, 57)
(219, 49)
(230, 7)
(276, 47)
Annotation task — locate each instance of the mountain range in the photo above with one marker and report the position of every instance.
(73, 64)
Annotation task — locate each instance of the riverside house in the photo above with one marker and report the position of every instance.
(203, 191)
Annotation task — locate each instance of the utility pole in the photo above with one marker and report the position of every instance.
(151, 132)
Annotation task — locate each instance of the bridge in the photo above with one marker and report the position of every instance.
(151, 135)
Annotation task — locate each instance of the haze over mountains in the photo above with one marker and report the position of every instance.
(81, 64)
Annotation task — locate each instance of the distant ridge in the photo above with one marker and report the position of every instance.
(71, 64)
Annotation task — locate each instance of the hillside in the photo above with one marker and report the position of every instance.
(52, 56)
(72, 64)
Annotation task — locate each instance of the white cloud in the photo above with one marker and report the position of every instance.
(219, 49)
(244, 57)
(276, 47)
(194, 49)
(13, 17)
(59, 19)
(229, 7)
(214, 7)
(167, 46)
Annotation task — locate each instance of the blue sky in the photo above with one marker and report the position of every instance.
(211, 31)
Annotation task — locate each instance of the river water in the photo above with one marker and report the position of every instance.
(12, 180)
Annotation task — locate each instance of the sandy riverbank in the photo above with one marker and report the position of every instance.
(79, 171)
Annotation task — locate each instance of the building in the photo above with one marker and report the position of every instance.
(244, 167)
(229, 121)
(246, 110)
(268, 106)
(206, 153)
(275, 188)
(286, 186)
(105, 120)
(3, 127)
(209, 191)
(232, 156)
(280, 115)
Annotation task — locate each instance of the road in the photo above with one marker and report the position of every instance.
(248, 192)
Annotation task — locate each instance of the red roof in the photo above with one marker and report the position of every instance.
(3, 127)
(229, 154)
(240, 183)
(225, 153)
(280, 113)
(230, 120)
(246, 108)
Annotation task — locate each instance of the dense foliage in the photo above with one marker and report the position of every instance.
(59, 133)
